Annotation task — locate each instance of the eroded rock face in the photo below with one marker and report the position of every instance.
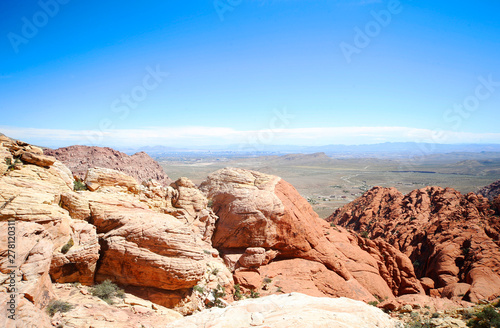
(156, 255)
(291, 310)
(450, 238)
(265, 227)
(32, 284)
(90, 311)
(491, 191)
(99, 177)
(150, 250)
(80, 158)
(260, 210)
(118, 231)
(78, 262)
(31, 192)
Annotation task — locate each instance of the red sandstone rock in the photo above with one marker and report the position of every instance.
(80, 158)
(281, 234)
(451, 238)
(491, 191)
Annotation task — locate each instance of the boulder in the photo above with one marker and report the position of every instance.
(37, 159)
(264, 224)
(291, 310)
(101, 177)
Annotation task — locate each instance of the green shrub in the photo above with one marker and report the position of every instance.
(68, 245)
(218, 293)
(373, 303)
(237, 293)
(364, 234)
(210, 203)
(418, 323)
(254, 294)
(107, 291)
(79, 185)
(12, 165)
(267, 280)
(58, 306)
(486, 318)
(199, 289)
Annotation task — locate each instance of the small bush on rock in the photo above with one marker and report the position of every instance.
(237, 293)
(486, 318)
(58, 306)
(79, 185)
(68, 245)
(107, 291)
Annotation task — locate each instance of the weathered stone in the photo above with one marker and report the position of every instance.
(36, 159)
(291, 310)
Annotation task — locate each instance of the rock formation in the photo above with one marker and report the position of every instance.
(81, 158)
(452, 239)
(239, 234)
(291, 310)
(267, 232)
(491, 191)
(117, 232)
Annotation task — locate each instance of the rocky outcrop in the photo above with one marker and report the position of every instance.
(90, 311)
(111, 233)
(491, 191)
(76, 260)
(27, 276)
(291, 310)
(98, 177)
(32, 193)
(267, 231)
(139, 166)
(452, 239)
(148, 250)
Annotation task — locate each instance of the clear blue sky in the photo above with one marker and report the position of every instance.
(233, 65)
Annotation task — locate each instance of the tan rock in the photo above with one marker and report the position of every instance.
(79, 263)
(151, 250)
(189, 198)
(37, 159)
(101, 177)
(90, 311)
(448, 323)
(77, 205)
(290, 310)
(253, 257)
(32, 283)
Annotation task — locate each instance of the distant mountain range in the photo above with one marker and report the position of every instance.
(381, 150)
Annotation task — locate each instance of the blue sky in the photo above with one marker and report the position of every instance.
(188, 73)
